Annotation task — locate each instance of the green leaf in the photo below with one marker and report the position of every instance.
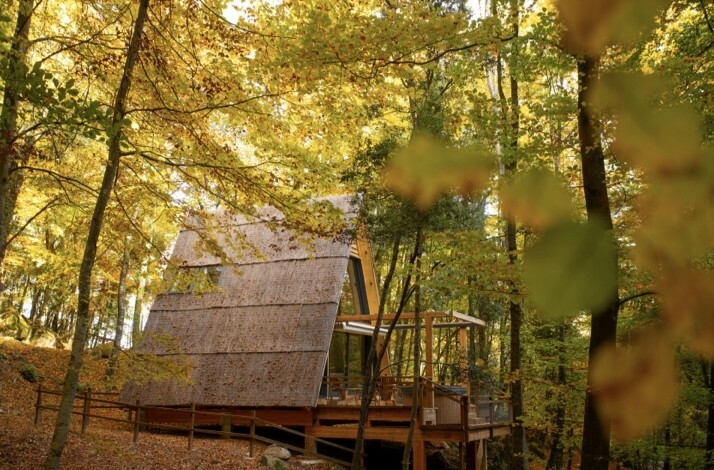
(572, 268)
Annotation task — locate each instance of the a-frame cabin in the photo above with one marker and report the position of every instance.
(285, 334)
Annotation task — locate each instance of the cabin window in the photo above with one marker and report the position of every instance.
(348, 354)
(354, 295)
(195, 279)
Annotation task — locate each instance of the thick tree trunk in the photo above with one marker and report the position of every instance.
(121, 308)
(596, 434)
(64, 413)
(13, 80)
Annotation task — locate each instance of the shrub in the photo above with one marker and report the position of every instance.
(30, 373)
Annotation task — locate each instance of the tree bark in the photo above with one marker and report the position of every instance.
(373, 367)
(64, 413)
(596, 435)
(138, 307)
(555, 459)
(13, 81)
(417, 353)
(709, 454)
(121, 308)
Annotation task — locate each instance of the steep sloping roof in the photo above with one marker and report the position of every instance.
(263, 339)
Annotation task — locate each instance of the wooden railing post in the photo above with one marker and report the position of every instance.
(137, 414)
(465, 417)
(193, 422)
(490, 409)
(38, 405)
(252, 433)
(85, 410)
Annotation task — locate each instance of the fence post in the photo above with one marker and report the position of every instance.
(137, 414)
(38, 405)
(193, 422)
(85, 410)
(252, 433)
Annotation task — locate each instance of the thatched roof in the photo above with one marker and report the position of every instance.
(263, 339)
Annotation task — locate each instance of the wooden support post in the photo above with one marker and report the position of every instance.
(471, 452)
(464, 358)
(310, 446)
(137, 418)
(85, 410)
(226, 424)
(252, 434)
(465, 418)
(429, 356)
(462, 460)
(482, 456)
(38, 405)
(419, 455)
(193, 423)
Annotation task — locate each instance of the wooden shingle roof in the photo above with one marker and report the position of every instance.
(261, 341)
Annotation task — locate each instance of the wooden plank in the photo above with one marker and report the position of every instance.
(351, 413)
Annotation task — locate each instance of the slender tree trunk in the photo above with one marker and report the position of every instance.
(596, 435)
(121, 308)
(13, 81)
(64, 413)
(555, 459)
(417, 353)
(138, 306)
(709, 455)
(373, 367)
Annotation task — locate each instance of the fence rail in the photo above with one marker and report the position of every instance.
(89, 400)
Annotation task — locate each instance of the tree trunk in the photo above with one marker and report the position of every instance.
(555, 459)
(64, 413)
(373, 367)
(709, 455)
(121, 308)
(138, 307)
(13, 81)
(596, 435)
(417, 353)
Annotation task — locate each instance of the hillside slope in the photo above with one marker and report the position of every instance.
(106, 444)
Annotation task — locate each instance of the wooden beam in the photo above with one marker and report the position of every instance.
(410, 316)
(364, 251)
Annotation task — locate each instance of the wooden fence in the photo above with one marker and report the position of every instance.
(90, 401)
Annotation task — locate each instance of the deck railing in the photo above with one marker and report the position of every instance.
(89, 401)
(457, 408)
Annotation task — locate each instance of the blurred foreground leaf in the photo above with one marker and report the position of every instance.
(538, 199)
(571, 268)
(688, 301)
(637, 384)
(592, 26)
(426, 170)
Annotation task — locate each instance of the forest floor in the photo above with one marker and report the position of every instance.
(106, 444)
